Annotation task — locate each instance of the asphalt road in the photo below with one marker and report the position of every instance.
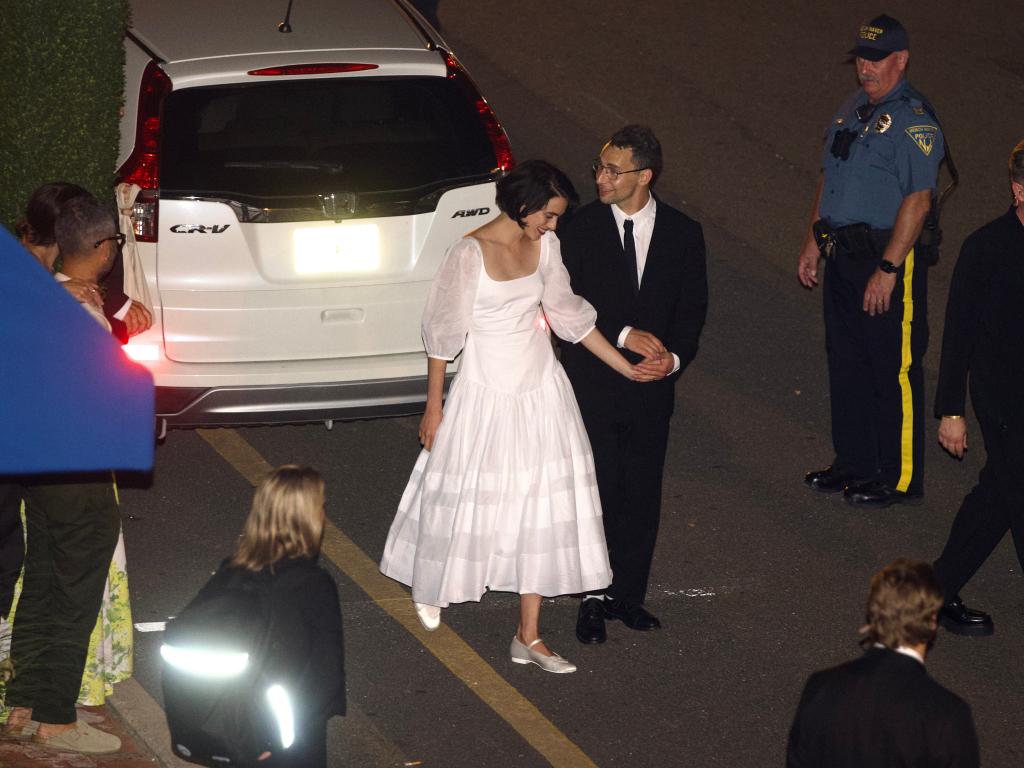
(758, 582)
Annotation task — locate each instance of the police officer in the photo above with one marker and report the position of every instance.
(879, 171)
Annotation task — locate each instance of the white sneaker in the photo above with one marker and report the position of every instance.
(429, 615)
(524, 654)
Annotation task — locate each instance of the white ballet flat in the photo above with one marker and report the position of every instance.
(429, 615)
(524, 654)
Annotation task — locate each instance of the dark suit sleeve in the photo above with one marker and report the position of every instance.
(324, 683)
(692, 302)
(795, 747)
(967, 290)
(114, 297)
(959, 745)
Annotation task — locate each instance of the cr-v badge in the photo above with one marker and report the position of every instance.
(202, 229)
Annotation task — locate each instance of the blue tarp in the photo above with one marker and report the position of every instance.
(70, 399)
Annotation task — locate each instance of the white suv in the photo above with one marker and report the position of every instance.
(299, 190)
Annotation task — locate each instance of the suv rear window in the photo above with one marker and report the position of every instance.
(390, 145)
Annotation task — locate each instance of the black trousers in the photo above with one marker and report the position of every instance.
(12, 543)
(72, 532)
(629, 446)
(876, 378)
(993, 507)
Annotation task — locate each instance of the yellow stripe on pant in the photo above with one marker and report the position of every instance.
(906, 394)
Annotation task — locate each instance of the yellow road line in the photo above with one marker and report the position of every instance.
(450, 649)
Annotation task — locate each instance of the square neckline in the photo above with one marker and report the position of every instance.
(483, 264)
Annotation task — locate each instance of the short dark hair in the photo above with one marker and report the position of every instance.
(43, 209)
(529, 186)
(645, 147)
(1017, 163)
(83, 221)
(904, 599)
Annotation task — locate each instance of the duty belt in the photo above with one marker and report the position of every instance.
(857, 241)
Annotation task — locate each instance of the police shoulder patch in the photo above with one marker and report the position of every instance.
(923, 136)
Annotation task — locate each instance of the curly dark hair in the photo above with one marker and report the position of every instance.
(527, 188)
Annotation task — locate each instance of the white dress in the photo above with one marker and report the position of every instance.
(507, 499)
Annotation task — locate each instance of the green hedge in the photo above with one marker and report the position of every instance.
(61, 86)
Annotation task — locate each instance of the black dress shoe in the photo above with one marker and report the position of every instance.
(590, 621)
(961, 620)
(634, 616)
(875, 493)
(829, 480)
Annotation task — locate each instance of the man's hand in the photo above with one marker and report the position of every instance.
(953, 436)
(429, 425)
(879, 292)
(657, 368)
(807, 266)
(645, 344)
(137, 319)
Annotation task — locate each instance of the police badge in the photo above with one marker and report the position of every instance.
(883, 123)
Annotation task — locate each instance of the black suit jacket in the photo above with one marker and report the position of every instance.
(881, 710)
(671, 303)
(984, 333)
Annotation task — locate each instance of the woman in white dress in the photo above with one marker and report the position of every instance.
(503, 495)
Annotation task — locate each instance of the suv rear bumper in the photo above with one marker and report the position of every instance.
(290, 403)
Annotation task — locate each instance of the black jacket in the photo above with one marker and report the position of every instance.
(984, 334)
(306, 625)
(671, 303)
(881, 711)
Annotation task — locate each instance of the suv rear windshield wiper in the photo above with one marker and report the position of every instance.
(293, 165)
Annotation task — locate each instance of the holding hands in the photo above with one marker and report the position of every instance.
(657, 363)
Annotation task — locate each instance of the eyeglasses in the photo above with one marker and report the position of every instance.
(119, 237)
(613, 173)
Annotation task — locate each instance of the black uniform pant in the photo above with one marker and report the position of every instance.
(629, 444)
(72, 532)
(876, 379)
(993, 507)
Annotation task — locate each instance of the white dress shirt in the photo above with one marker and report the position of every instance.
(643, 228)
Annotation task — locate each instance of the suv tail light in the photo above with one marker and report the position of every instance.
(143, 165)
(503, 159)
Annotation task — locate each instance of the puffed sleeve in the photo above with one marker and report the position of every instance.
(571, 317)
(449, 307)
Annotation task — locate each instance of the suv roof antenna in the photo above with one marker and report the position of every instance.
(284, 26)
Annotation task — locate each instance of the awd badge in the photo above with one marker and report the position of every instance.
(883, 123)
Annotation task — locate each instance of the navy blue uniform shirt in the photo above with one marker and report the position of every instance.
(897, 152)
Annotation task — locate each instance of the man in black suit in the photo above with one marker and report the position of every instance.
(883, 709)
(641, 264)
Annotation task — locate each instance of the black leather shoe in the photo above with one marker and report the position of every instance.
(829, 480)
(590, 621)
(961, 620)
(633, 616)
(875, 493)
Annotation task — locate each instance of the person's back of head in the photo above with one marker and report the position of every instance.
(86, 233)
(43, 209)
(903, 602)
(286, 520)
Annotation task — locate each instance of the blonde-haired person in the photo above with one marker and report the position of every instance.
(883, 709)
(278, 549)
(984, 341)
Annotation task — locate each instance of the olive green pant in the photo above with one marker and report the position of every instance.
(72, 525)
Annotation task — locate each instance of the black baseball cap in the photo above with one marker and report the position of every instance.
(880, 37)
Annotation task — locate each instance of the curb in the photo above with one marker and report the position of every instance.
(145, 717)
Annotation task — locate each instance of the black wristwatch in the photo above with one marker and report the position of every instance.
(888, 267)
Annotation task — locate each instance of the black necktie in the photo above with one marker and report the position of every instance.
(629, 247)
